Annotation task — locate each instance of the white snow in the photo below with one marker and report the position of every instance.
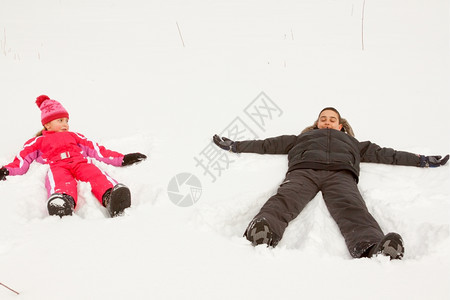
(122, 72)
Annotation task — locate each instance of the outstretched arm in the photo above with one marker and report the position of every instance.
(23, 160)
(276, 145)
(100, 153)
(107, 156)
(371, 152)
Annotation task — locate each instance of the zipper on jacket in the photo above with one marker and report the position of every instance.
(328, 145)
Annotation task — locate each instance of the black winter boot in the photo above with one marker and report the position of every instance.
(390, 245)
(117, 199)
(259, 232)
(60, 205)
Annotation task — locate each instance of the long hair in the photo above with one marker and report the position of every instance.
(39, 133)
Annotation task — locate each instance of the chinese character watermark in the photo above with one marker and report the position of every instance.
(214, 161)
(261, 110)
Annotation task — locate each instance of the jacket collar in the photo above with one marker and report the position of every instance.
(345, 127)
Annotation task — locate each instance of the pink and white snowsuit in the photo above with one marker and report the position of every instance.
(66, 153)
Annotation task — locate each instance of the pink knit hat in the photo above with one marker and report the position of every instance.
(50, 109)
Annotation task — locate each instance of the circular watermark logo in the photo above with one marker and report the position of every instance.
(184, 189)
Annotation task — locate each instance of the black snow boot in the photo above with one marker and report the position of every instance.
(60, 205)
(390, 245)
(259, 232)
(117, 199)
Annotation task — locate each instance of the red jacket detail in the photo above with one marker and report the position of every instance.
(52, 147)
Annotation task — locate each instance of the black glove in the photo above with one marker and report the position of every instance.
(132, 158)
(3, 173)
(224, 143)
(432, 161)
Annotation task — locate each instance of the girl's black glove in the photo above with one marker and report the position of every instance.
(132, 158)
(224, 143)
(3, 173)
(433, 161)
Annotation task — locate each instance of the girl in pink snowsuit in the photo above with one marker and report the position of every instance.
(66, 153)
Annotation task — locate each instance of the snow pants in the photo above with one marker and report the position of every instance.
(63, 175)
(342, 198)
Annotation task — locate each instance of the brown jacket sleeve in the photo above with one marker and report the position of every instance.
(371, 152)
(276, 145)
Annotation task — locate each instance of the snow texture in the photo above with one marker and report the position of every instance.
(161, 77)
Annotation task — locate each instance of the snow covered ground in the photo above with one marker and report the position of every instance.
(161, 77)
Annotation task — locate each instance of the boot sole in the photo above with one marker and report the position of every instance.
(260, 233)
(59, 209)
(120, 200)
(392, 246)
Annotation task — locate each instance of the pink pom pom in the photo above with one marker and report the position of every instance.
(41, 99)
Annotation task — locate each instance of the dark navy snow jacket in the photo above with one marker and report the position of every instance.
(327, 149)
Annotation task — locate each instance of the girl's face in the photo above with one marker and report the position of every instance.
(329, 119)
(58, 125)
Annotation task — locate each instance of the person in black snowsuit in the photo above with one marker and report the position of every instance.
(326, 157)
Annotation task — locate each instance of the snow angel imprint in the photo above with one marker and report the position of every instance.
(325, 157)
(66, 153)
